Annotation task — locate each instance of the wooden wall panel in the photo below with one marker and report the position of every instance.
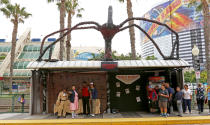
(58, 81)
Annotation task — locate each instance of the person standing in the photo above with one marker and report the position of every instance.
(63, 104)
(80, 110)
(178, 98)
(73, 101)
(93, 97)
(163, 100)
(85, 99)
(187, 96)
(152, 97)
(208, 98)
(170, 99)
(200, 97)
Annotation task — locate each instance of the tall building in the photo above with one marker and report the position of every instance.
(181, 18)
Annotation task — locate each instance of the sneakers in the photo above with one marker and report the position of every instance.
(92, 115)
(163, 115)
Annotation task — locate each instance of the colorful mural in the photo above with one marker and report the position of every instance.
(83, 55)
(176, 14)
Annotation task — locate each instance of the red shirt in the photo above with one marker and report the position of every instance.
(85, 92)
(152, 95)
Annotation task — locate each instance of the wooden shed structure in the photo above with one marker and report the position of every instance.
(121, 84)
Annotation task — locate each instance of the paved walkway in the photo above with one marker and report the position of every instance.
(130, 118)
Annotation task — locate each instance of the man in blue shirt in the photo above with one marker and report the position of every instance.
(170, 99)
(93, 97)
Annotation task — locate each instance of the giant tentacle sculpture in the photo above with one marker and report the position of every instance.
(108, 31)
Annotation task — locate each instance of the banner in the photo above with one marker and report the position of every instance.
(176, 14)
(127, 79)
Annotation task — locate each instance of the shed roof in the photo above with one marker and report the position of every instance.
(97, 64)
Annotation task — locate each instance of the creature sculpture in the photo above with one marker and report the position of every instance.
(108, 30)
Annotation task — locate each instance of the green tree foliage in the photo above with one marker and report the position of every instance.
(115, 57)
(17, 15)
(72, 9)
(151, 58)
(190, 77)
(4, 2)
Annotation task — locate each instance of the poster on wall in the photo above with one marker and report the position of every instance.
(138, 99)
(127, 91)
(138, 88)
(117, 84)
(117, 94)
(127, 79)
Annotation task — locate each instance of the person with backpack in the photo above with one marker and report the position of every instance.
(200, 97)
(152, 97)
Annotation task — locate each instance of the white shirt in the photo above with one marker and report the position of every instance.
(187, 93)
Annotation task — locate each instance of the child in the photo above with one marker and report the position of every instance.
(178, 98)
(163, 100)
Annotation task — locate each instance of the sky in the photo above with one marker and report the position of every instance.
(45, 19)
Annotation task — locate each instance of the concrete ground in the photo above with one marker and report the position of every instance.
(22, 116)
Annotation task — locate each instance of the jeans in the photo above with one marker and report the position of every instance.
(179, 107)
(187, 103)
(86, 104)
(170, 108)
(200, 103)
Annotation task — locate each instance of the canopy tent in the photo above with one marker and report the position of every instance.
(97, 64)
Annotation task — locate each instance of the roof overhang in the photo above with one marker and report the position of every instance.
(122, 64)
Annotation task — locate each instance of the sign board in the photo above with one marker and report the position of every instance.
(109, 66)
(127, 79)
(197, 75)
(157, 79)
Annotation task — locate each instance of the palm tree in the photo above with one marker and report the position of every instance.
(17, 15)
(4, 2)
(62, 17)
(72, 9)
(203, 6)
(131, 29)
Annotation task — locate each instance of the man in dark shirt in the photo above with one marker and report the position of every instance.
(170, 99)
(85, 98)
(178, 98)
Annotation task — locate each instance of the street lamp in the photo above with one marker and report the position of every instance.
(195, 53)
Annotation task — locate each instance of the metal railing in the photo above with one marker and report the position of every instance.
(9, 103)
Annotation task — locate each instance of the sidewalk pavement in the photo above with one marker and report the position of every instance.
(124, 118)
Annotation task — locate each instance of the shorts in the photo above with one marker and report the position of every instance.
(163, 104)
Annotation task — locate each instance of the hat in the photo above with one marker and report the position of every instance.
(91, 83)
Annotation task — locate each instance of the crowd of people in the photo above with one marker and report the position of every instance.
(165, 98)
(88, 95)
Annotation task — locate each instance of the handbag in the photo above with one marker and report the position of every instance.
(206, 100)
